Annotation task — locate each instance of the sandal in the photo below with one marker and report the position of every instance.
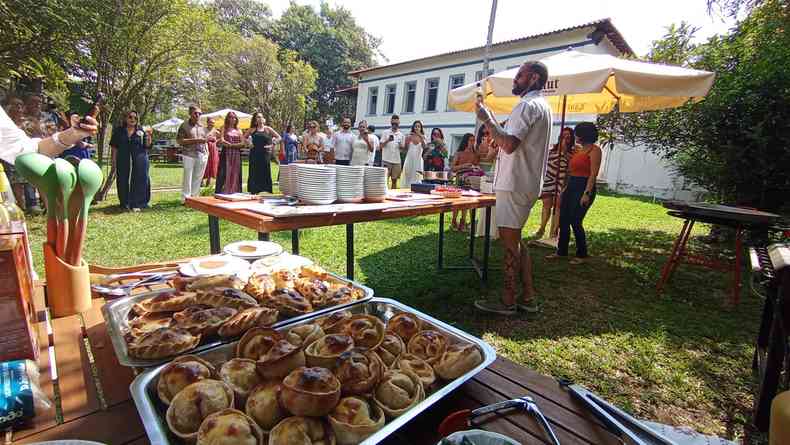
(554, 256)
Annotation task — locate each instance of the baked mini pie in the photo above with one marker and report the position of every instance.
(226, 297)
(229, 426)
(340, 295)
(262, 404)
(241, 375)
(405, 325)
(284, 279)
(390, 349)
(248, 319)
(334, 322)
(280, 360)
(313, 289)
(167, 302)
(428, 345)
(398, 391)
(180, 373)
(162, 342)
(261, 287)
(359, 372)
(209, 282)
(366, 330)
(310, 391)
(325, 351)
(354, 419)
(150, 321)
(291, 303)
(457, 360)
(207, 321)
(410, 362)
(186, 313)
(298, 430)
(256, 342)
(305, 334)
(194, 403)
(313, 271)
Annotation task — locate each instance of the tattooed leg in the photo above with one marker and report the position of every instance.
(526, 273)
(510, 241)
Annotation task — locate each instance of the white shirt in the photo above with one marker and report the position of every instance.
(390, 152)
(523, 170)
(341, 143)
(14, 141)
(376, 147)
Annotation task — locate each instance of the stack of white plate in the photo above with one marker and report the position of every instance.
(253, 250)
(285, 180)
(316, 184)
(375, 184)
(350, 183)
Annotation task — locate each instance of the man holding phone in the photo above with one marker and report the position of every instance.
(391, 145)
(194, 152)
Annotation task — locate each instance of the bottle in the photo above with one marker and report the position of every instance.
(12, 218)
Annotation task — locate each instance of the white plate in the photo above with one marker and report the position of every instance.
(253, 249)
(279, 262)
(233, 266)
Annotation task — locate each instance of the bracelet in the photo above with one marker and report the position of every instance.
(57, 141)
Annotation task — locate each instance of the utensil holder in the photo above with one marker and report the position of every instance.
(68, 287)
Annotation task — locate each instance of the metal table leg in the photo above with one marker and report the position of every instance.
(213, 234)
(486, 245)
(440, 258)
(263, 236)
(472, 224)
(350, 251)
(295, 241)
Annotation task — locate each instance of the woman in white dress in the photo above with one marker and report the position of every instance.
(415, 145)
(362, 145)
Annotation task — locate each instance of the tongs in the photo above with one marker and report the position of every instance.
(463, 419)
(616, 420)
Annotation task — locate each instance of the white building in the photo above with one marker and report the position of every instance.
(417, 90)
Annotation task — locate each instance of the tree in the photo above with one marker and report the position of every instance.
(735, 142)
(247, 17)
(332, 42)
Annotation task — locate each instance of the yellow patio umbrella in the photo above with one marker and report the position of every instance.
(219, 117)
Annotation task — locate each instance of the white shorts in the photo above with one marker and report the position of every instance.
(512, 209)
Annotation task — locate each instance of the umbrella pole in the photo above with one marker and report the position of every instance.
(556, 213)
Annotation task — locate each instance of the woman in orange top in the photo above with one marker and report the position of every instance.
(579, 192)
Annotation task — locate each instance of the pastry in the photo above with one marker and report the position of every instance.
(207, 321)
(291, 303)
(180, 373)
(457, 360)
(209, 282)
(405, 325)
(248, 319)
(428, 345)
(229, 427)
(366, 330)
(304, 334)
(241, 375)
(262, 405)
(341, 295)
(313, 289)
(310, 392)
(226, 297)
(325, 351)
(284, 279)
(167, 302)
(315, 272)
(163, 342)
(194, 403)
(410, 362)
(334, 322)
(390, 349)
(256, 342)
(261, 287)
(359, 372)
(150, 321)
(184, 314)
(398, 391)
(354, 419)
(280, 359)
(299, 430)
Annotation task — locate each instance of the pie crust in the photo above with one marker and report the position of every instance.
(313, 289)
(241, 375)
(325, 351)
(405, 325)
(355, 419)
(314, 272)
(310, 392)
(304, 334)
(334, 323)
(359, 372)
(457, 360)
(291, 303)
(256, 342)
(194, 403)
(226, 297)
(186, 313)
(428, 345)
(180, 373)
(229, 427)
(299, 430)
(341, 295)
(149, 322)
(410, 362)
(366, 330)
(163, 342)
(248, 319)
(167, 302)
(263, 406)
(284, 279)
(261, 287)
(390, 349)
(280, 360)
(207, 321)
(210, 282)
(398, 391)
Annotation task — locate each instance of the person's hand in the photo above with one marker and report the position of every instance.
(84, 129)
(585, 201)
(481, 111)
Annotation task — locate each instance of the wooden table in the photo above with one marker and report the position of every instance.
(94, 403)
(264, 225)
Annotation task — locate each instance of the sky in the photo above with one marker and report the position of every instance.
(411, 29)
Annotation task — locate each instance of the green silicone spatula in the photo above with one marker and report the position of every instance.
(89, 180)
(39, 170)
(67, 180)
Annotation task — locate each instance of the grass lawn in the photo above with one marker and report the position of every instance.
(680, 358)
(165, 175)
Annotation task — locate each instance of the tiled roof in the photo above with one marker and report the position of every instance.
(604, 25)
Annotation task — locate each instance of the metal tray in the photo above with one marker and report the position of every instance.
(116, 317)
(152, 411)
